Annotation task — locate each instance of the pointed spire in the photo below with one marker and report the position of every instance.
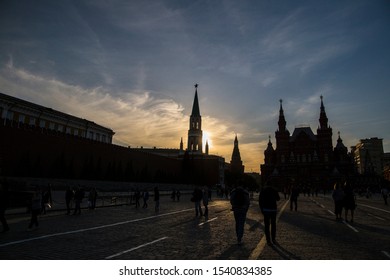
(181, 144)
(282, 120)
(195, 106)
(207, 147)
(269, 146)
(323, 118)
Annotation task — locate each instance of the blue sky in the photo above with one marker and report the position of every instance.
(131, 66)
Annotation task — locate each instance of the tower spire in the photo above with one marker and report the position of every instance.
(195, 133)
(282, 120)
(195, 106)
(323, 118)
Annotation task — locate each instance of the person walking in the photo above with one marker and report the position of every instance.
(156, 200)
(36, 208)
(268, 205)
(3, 205)
(137, 196)
(239, 199)
(78, 198)
(92, 197)
(294, 197)
(69, 194)
(349, 202)
(338, 197)
(385, 194)
(197, 197)
(145, 197)
(205, 199)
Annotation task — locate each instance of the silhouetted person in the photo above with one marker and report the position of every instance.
(349, 202)
(156, 199)
(137, 197)
(205, 199)
(268, 206)
(145, 197)
(46, 199)
(69, 194)
(197, 197)
(173, 195)
(239, 199)
(178, 194)
(294, 197)
(78, 198)
(3, 205)
(92, 197)
(36, 208)
(338, 197)
(385, 194)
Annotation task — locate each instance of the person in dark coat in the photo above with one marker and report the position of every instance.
(349, 202)
(268, 206)
(69, 194)
(36, 208)
(197, 197)
(294, 197)
(78, 198)
(156, 200)
(338, 198)
(3, 205)
(240, 201)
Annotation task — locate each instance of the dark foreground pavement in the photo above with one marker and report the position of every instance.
(123, 232)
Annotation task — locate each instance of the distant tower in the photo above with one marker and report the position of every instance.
(236, 162)
(324, 136)
(207, 147)
(181, 144)
(282, 136)
(195, 132)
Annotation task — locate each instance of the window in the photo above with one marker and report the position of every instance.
(10, 115)
(68, 130)
(22, 118)
(32, 121)
(90, 135)
(52, 125)
(60, 128)
(42, 123)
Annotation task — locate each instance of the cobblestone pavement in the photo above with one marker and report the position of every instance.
(123, 232)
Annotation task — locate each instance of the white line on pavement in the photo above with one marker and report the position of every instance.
(208, 221)
(365, 205)
(351, 227)
(386, 254)
(135, 248)
(92, 228)
(331, 212)
(376, 217)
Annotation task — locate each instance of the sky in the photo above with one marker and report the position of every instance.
(132, 65)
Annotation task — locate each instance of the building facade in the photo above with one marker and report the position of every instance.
(368, 156)
(305, 158)
(23, 114)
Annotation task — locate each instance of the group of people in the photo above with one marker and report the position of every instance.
(198, 196)
(145, 197)
(344, 198)
(240, 201)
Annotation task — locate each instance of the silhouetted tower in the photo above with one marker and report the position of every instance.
(324, 136)
(236, 162)
(269, 153)
(195, 132)
(282, 136)
(181, 144)
(207, 147)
